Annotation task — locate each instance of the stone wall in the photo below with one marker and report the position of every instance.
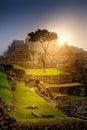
(76, 90)
(55, 79)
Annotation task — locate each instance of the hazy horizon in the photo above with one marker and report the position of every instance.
(65, 17)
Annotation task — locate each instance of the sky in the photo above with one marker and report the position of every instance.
(68, 18)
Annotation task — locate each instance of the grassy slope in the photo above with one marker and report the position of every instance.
(24, 97)
(5, 92)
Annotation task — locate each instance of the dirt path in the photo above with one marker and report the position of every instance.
(64, 85)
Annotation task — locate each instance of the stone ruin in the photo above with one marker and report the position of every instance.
(17, 52)
(27, 53)
(22, 53)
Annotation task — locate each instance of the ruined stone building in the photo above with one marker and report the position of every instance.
(16, 52)
(25, 53)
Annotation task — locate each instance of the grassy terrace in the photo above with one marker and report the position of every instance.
(49, 71)
(24, 97)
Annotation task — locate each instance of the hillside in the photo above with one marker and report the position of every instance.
(24, 97)
(21, 99)
(29, 109)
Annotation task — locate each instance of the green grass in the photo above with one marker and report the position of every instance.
(5, 92)
(72, 97)
(17, 67)
(23, 97)
(49, 71)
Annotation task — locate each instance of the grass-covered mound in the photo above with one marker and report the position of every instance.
(5, 92)
(24, 97)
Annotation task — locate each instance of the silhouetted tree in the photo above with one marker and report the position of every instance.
(44, 37)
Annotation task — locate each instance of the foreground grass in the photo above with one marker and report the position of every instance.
(24, 97)
(5, 92)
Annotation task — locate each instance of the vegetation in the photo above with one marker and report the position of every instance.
(79, 70)
(73, 97)
(19, 97)
(49, 71)
(17, 67)
(5, 92)
(44, 37)
(24, 97)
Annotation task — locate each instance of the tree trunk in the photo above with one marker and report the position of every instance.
(44, 66)
(45, 48)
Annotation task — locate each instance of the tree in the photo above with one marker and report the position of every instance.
(44, 37)
(79, 71)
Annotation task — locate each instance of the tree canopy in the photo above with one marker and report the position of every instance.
(44, 37)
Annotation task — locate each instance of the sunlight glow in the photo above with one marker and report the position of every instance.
(61, 40)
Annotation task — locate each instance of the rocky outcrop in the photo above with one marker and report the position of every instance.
(6, 122)
(74, 108)
(76, 125)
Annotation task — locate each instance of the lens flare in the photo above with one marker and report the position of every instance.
(61, 40)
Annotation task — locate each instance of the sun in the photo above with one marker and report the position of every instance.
(61, 40)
